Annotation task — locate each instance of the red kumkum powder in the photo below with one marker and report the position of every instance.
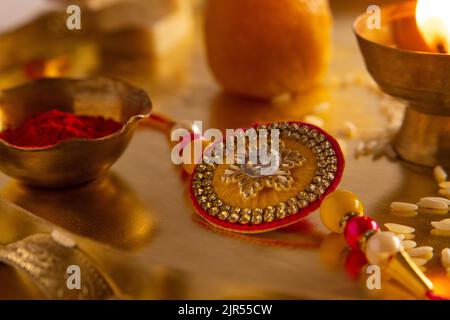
(48, 128)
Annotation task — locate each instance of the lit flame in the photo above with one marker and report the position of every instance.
(433, 20)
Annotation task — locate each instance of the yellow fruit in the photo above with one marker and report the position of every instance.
(336, 205)
(265, 48)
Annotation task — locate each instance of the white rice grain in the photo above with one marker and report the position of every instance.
(420, 262)
(439, 225)
(440, 175)
(433, 211)
(420, 251)
(440, 233)
(444, 200)
(63, 239)
(399, 228)
(445, 257)
(403, 206)
(445, 192)
(410, 236)
(315, 120)
(433, 204)
(281, 99)
(324, 106)
(350, 130)
(401, 236)
(409, 244)
(444, 185)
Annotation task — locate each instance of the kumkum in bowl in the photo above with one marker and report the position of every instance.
(76, 160)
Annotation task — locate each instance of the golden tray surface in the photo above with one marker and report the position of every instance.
(140, 228)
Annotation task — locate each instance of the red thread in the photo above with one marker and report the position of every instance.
(432, 296)
(51, 127)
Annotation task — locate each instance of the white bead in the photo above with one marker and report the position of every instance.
(381, 247)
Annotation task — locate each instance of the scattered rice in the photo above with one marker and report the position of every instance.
(440, 225)
(315, 120)
(445, 258)
(324, 106)
(350, 130)
(420, 262)
(343, 145)
(63, 239)
(370, 146)
(409, 236)
(433, 204)
(445, 192)
(427, 256)
(359, 150)
(390, 151)
(404, 214)
(420, 251)
(409, 244)
(444, 200)
(282, 99)
(439, 174)
(440, 233)
(433, 211)
(399, 228)
(403, 206)
(445, 184)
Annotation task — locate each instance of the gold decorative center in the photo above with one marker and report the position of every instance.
(251, 179)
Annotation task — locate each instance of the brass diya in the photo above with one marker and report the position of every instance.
(73, 161)
(399, 63)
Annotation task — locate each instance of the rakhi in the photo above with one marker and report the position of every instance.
(343, 212)
(239, 198)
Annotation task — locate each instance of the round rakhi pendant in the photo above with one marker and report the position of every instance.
(251, 197)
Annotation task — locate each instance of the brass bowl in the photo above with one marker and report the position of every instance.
(75, 161)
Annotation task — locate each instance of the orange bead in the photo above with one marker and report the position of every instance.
(336, 205)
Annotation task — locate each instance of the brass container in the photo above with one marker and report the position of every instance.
(395, 58)
(75, 161)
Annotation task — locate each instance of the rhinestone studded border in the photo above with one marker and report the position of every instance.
(209, 201)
